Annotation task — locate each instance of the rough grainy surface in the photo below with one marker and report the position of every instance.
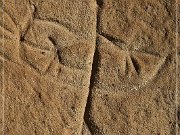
(178, 67)
(87, 67)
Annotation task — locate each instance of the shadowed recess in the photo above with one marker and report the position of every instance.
(136, 65)
(100, 3)
(55, 45)
(94, 77)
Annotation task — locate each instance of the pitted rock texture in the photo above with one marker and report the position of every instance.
(89, 67)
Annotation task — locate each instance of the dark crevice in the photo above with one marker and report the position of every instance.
(94, 74)
(100, 3)
(99, 12)
(59, 56)
(94, 77)
(34, 10)
(40, 98)
(22, 38)
(93, 128)
(56, 46)
(127, 67)
(136, 65)
(95, 65)
(53, 41)
(178, 115)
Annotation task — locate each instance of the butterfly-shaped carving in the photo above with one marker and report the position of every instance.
(125, 68)
(129, 56)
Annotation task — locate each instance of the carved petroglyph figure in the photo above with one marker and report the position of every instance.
(85, 67)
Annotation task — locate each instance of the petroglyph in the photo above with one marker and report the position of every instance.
(88, 67)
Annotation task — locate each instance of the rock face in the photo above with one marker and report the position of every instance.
(87, 67)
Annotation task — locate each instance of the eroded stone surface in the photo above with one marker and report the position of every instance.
(178, 69)
(105, 67)
(134, 84)
(47, 66)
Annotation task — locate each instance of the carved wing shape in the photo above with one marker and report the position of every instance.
(42, 44)
(125, 69)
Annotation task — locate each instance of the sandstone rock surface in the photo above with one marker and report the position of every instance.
(89, 67)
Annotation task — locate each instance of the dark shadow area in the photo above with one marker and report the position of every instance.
(136, 65)
(100, 3)
(53, 41)
(94, 77)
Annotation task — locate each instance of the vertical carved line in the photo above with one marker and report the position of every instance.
(100, 4)
(94, 74)
(58, 51)
(94, 77)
